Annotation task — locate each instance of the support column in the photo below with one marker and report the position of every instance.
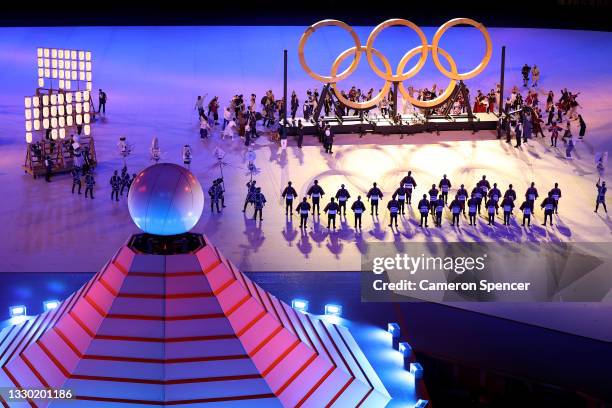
(501, 90)
(286, 102)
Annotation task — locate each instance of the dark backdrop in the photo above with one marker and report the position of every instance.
(573, 14)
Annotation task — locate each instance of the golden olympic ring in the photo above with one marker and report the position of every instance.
(485, 59)
(367, 104)
(326, 23)
(440, 98)
(400, 75)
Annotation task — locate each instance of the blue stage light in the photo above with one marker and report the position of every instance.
(421, 403)
(416, 370)
(300, 305)
(394, 329)
(405, 349)
(17, 311)
(50, 305)
(333, 310)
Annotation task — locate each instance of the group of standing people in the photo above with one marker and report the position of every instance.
(120, 183)
(525, 118)
(484, 195)
(240, 116)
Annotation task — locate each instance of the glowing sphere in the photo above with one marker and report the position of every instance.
(165, 199)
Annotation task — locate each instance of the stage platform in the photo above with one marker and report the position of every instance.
(409, 124)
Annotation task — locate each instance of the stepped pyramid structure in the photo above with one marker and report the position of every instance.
(185, 329)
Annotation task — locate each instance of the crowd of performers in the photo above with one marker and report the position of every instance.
(120, 183)
(485, 197)
(240, 116)
(526, 119)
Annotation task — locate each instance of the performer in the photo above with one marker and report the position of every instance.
(456, 207)
(49, 168)
(125, 180)
(438, 207)
(400, 194)
(445, 186)
(473, 205)
(259, 200)
(582, 127)
(507, 205)
(527, 209)
(102, 98)
(462, 196)
(424, 210)
(294, 104)
(433, 197)
(342, 195)
(358, 208)
(409, 184)
(289, 194)
(315, 192)
(328, 139)
(300, 133)
(510, 193)
(251, 190)
(303, 209)
(556, 195)
(187, 155)
(554, 134)
(525, 71)
(484, 185)
(394, 208)
(89, 184)
(532, 193)
(548, 204)
(76, 179)
(477, 196)
(215, 195)
(601, 195)
(495, 195)
(115, 183)
(331, 209)
(374, 195)
(491, 210)
(518, 132)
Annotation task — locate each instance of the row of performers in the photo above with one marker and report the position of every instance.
(432, 203)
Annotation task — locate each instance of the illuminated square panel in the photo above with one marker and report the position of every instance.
(64, 68)
(57, 112)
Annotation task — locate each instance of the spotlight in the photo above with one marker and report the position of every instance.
(421, 403)
(405, 349)
(333, 310)
(17, 311)
(416, 370)
(300, 305)
(50, 305)
(394, 329)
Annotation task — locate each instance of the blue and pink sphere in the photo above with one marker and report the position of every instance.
(165, 199)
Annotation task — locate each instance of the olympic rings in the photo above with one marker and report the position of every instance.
(400, 75)
(440, 98)
(374, 100)
(326, 23)
(479, 67)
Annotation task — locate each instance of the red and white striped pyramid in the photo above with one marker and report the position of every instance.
(184, 330)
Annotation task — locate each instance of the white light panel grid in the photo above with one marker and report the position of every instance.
(65, 68)
(57, 112)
